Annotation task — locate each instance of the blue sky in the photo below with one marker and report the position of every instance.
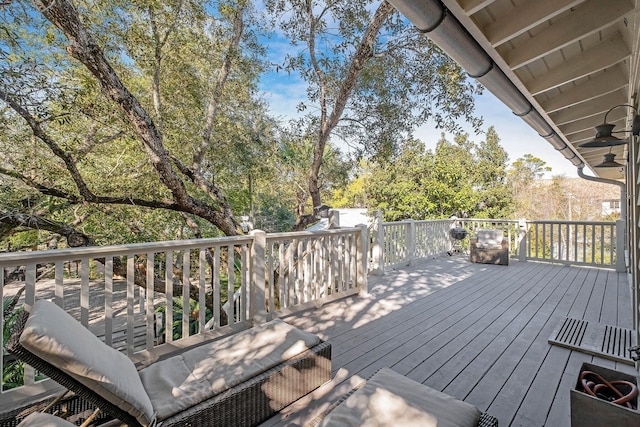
(285, 91)
(516, 136)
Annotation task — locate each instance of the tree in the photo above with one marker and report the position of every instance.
(495, 193)
(144, 112)
(458, 178)
(371, 78)
(523, 175)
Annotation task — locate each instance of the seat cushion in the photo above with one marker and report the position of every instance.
(489, 239)
(390, 399)
(38, 419)
(182, 381)
(56, 337)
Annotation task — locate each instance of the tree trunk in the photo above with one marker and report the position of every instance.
(361, 56)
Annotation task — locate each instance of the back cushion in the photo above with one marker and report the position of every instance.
(56, 337)
(490, 237)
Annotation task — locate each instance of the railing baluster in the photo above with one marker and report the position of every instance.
(59, 283)
(150, 319)
(230, 284)
(169, 277)
(84, 291)
(108, 301)
(130, 303)
(244, 283)
(602, 244)
(186, 303)
(270, 275)
(216, 287)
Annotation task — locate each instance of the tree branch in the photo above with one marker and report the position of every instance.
(221, 80)
(74, 199)
(10, 221)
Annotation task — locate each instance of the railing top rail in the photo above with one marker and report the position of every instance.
(132, 248)
(404, 221)
(433, 221)
(407, 221)
(503, 221)
(549, 221)
(294, 234)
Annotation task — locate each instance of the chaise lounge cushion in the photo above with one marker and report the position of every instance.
(182, 381)
(390, 399)
(39, 419)
(54, 336)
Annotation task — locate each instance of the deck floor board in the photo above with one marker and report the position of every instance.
(477, 332)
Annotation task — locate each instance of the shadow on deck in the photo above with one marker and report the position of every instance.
(477, 332)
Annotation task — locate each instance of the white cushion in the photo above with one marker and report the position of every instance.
(38, 419)
(390, 399)
(182, 381)
(489, 239)
(56, 337)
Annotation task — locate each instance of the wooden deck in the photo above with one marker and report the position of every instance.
(477, 332)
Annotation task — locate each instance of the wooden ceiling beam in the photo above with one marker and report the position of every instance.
(589, 123)
(601, 84)
(604, 55)
(584, 20)
(523, 18)
(472, 6)
(586, 109)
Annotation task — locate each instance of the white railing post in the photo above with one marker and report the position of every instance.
(334, 219)
(363, 259)
(257, 297)
(411, 241)
(620, 246)
(377, 239)
(522, 244)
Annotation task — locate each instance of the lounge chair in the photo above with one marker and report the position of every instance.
(239, 380)
(489, 247)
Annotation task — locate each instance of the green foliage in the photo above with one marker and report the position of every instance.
(12, 369)
(458, 178)
(178, 310)
(181, 46)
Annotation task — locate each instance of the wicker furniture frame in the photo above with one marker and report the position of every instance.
(246, 404)
(489, 255)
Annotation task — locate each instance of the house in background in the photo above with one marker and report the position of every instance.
(610, 207)
(349, 217)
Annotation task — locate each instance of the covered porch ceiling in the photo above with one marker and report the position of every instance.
(571, 61)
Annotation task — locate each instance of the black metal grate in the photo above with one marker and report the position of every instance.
(611, 342)
(617, 341)
(572, 331)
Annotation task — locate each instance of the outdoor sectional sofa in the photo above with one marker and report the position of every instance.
(238, 380)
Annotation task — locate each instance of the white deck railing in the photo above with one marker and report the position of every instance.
(591, 243)
(142, 296)
(575, 242)
(139, 297)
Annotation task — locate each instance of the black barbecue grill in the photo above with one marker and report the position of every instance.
(457, 234)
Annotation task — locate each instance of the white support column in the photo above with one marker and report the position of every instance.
(377, 234)
(522, 248)
(411, 241)
(363, 259)
(620, 246)
(257, 295)
(334, 219)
